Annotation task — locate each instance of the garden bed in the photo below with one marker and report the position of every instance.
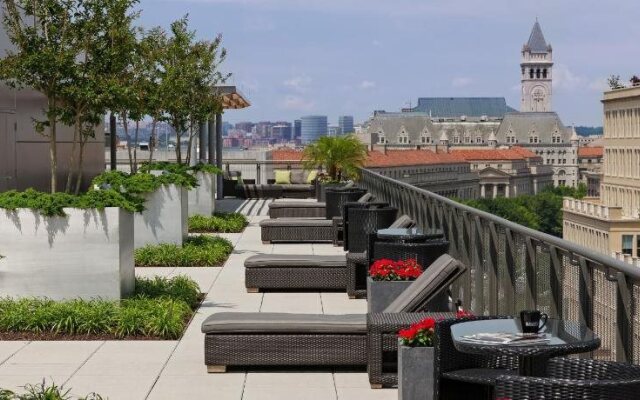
(218, 223)
(160, 310)
(197, 251)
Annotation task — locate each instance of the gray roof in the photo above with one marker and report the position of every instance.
(455, 107)
(542, 124)
(537, 43)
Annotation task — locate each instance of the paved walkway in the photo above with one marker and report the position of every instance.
(155, 370)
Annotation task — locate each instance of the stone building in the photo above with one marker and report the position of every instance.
(440, 173)
(507, 172)
(611, 223)
(590, 168)
(488, 122)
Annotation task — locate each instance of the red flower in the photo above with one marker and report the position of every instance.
(390, 270)
(418, 334)
(464, 314)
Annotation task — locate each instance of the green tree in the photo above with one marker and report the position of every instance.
(340, 156)
(43, 33)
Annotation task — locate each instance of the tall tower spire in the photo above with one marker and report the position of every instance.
(536, 72)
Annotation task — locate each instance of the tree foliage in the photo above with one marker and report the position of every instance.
(542, 212)
(340, 156)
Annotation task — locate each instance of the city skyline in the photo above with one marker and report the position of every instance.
(468, 49)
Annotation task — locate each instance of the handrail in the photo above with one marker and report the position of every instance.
(540, 236)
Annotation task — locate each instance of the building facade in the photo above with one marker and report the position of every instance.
(507, 172)
(536, 73)
(590, 168)
(345, 122)
(471, 122)
(611, 222)
(312, 127)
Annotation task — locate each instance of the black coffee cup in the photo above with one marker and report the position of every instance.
(530, 321)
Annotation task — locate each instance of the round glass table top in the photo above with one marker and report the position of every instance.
(564, 337)
(409, 233)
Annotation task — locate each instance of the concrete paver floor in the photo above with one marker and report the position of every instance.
(159, 370)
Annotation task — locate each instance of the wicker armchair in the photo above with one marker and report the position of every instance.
(458, 374)
(569, 378)
(337, 197)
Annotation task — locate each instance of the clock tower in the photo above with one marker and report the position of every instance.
(536, 73)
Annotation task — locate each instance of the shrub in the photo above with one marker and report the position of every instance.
(219, 222)
(160, 308)
(143, 182)
(197, 251)
(42, 391)
(52, 204)
(179, 168)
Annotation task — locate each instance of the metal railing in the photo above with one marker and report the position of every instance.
(512, 268)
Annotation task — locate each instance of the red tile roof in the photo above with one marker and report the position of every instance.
(286, 155)
(514, 153)
(399, 158)
(590, 151)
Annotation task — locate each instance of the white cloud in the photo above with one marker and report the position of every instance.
(298, 83)
(564, 78)
(461, 82)
(367, 85)
(292, 102)
(376, 43)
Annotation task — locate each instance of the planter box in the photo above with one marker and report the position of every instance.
(415, 373)
(382, 293)
(86, 254)
(202, 198)
(165, 218)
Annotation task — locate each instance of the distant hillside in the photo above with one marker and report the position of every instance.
(589, 130)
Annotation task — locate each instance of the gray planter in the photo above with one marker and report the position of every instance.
(415, 373)
(202, 197)
(165, 218)
(85, 254)
(382, 293)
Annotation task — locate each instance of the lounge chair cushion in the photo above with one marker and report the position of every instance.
(285, 323)
(403, 222)
(297, 222)
(297, 177)
(283, 177)
(297, 204)
(295, 260)
(365, 198)
(312, 177)
(435, 278)
(297, 187)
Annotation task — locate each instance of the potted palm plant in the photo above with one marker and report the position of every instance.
(341, 157)
(387, 279)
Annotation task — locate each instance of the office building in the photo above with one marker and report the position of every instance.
(297, 129)
(313, 127)
(345, 122)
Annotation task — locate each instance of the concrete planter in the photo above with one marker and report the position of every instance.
(85, 254)
(382, 293)
(415, 373)
(202, 198)
(165, 218)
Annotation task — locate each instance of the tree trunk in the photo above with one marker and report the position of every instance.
(72, 158)
(152, 139)
(178, 150)
(80, 171)
(53, 153)
(126, 134)
(189, 144)
(135, 148)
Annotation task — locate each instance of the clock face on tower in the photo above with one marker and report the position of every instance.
(538, 97)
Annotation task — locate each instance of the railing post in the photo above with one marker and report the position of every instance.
(477, 266)
(624, 318)
(531, 288)
(466, 259)
(492, 269)
(258, 174)
(586, 293)
(555, 277)
(511, 255)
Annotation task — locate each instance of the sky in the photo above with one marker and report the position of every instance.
(350, 57)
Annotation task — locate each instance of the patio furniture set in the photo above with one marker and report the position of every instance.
(371, 230)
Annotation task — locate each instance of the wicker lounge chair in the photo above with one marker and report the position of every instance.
(302, 271)
(280, 339)
(569, 378)
(303, 209)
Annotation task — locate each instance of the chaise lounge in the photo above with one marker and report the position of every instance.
(302, 271)
(300, 209)
(280, 339)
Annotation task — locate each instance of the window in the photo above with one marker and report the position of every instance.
(381, 138)
(467, 139)
(479, 139)
(456, 139)
(627, 244)
(425, 139)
